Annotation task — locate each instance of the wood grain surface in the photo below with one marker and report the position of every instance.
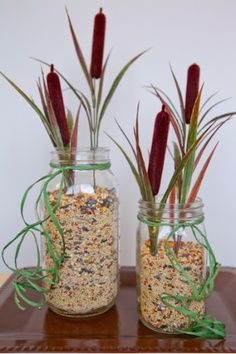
(118, 330)
(3, 278)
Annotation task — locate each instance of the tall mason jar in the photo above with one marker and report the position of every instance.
(82, 233)
(171, 265)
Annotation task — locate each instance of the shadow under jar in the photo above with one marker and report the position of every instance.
(82, 235)
(171, 265)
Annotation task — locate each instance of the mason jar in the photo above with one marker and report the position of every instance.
(171, 265)
(81, 233)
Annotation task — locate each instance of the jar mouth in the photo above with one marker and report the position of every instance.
(198, 203)
(174, 211)
(78, 156)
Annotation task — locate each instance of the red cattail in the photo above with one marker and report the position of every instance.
(55, 94)
(158, 149)
(98, 45)
(191, 90)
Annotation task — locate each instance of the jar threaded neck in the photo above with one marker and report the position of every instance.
(81, 156)
(171, 213)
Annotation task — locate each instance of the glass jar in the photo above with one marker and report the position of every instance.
(171, 265)
(80, 248)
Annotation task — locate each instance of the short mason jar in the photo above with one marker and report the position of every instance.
(171, 265)
(81, 243)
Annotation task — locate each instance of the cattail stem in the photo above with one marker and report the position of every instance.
(192, 89)
(56, 98)
(158, 150)
(98, 45)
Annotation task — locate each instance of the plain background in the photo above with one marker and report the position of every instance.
(179, 32)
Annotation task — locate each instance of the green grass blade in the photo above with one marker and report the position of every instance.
(194, 192)
(177, 160)
(46, 125)
(42, 117)
(26, 97)
(70, 120)
(115, 85)
(132, 167)
(181, 101)
(211, 132)
(40, 89)
(171, 104)
(74, 135)
(80, 56)
(142, 186)
(87, 103)
(192, 136)
(215, 119)
(182, 108)
(127, 138)
(181, 166)
(173, 119)
(210, 109)
(100, 88)
(207, 101)
(81, 97)
(141, 165)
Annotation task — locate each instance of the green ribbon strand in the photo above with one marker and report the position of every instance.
(202, 325)
(85, 167)
(31, 278)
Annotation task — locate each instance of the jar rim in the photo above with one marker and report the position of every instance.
(175, 211)
(197, 203)
(81, 149)
(81, 155)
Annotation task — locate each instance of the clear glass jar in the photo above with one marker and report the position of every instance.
(171, 265)
(82, 233)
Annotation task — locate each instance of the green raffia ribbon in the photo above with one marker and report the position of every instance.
(202, 325)
(31, 278)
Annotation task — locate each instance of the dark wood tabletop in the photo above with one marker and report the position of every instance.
(118, 330)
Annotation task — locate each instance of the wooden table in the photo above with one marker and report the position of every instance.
(118, 330)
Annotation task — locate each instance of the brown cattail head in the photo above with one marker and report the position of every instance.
(158, 149)
(56, 98)
(192, 89)
(98, 45)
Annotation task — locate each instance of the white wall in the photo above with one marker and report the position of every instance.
(180, 32)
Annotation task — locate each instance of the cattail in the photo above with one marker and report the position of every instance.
(191, 90)
(55, 94)
(158, 149)
(98, 45)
